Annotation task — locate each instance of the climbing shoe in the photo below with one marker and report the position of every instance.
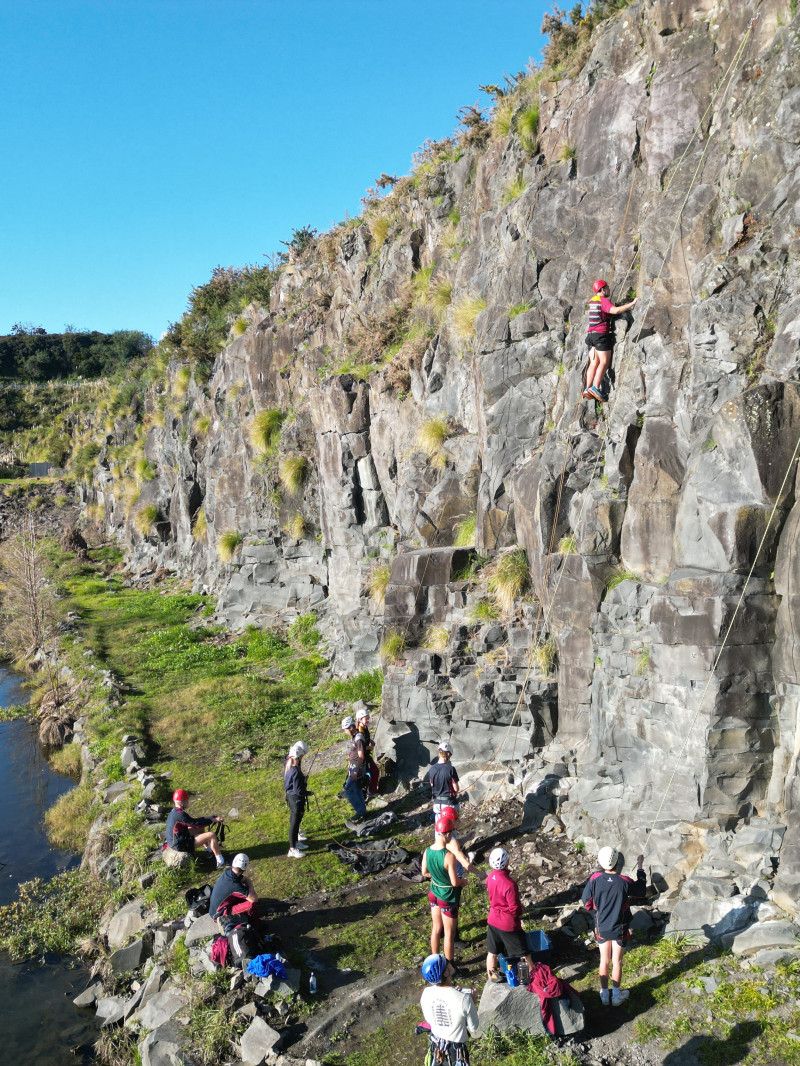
(497, 977)
(596, 394)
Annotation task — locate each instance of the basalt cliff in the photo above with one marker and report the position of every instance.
(419, 369)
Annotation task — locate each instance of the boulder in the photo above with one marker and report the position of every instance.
(276, 985)
(710, 919)
(160, 1008)
(259, 1041)
(763, 935)
(201, 929)
(164, 1046)
(115, 791)
(123, 960)
(132, 754)
(90, 996)
(153, 984)
(517, 1008)
(771, 957)
(110, 1010)
(176, 858)
(127, 922)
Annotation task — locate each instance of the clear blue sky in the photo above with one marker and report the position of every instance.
(147, 141)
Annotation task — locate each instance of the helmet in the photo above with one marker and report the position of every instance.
(449, 812)
(180, 795)
(498, 859)
(299, 749)
(607, 857)
(445, 746)
(362, 713)
(433, 968)
(599, 284)
(240, 861)
(347, 722)
(443, 825)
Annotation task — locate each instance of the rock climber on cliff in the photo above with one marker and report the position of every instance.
(600, 338)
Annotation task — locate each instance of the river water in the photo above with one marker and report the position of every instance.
(39, 1026)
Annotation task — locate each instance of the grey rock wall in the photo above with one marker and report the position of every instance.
(684, 184)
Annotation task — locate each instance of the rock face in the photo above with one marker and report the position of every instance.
(516, 1008)
(648, 671)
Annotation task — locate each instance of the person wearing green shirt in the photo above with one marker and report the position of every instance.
(439, 865)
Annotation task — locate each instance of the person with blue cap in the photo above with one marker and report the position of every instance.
(449, 1011)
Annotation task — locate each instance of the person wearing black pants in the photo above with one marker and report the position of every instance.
(295, 786)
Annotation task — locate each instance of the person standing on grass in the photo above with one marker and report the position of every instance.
(185, 833)
(356, 769)
(504, 933)
(449, 1011)
(600, 338)
(295, 785)
(607, 894)
(439, 865)
(443, 780)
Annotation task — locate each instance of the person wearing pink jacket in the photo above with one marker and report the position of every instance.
(504, 933)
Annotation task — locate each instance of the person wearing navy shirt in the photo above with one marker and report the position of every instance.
(607, 894)
(184, 832)
(234, 893)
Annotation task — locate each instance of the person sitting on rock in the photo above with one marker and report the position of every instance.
(504, 933)
(439, 865)
(600, 338)
(450, 1012)
(356, 769)
(184, 832)
(443, 780)
(607, 894)
(295, 785)
(234, 893)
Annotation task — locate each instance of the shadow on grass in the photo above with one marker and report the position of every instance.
(717, 1051)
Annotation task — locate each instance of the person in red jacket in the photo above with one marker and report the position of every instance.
(505, 933)
(607, 893)
(600, 338)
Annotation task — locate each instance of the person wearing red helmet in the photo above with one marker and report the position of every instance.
(600, 338)
(439, 865)
(185, 832)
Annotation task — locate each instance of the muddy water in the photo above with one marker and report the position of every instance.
(38, 1023)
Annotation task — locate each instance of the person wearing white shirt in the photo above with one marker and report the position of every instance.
(450, 1011)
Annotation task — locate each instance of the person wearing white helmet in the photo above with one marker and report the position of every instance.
(443, 780)
(607, 894)
(504, 926)
(234, 893)
(371, 772)
(356, 769)
(295, 786)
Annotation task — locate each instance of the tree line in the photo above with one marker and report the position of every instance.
(32, 354)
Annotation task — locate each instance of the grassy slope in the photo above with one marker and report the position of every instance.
(197, 696)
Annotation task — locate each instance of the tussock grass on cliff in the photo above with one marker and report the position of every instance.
(265, 430)
(508, 577)
(228, 544)
(292, 470)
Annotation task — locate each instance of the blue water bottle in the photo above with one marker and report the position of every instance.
(312, 984)
(511, 975)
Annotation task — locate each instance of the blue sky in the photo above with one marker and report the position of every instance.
(147, 142)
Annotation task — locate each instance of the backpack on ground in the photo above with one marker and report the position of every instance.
(244, 944)
(220, 951)
(197, 900)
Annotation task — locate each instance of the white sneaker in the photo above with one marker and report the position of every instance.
(619, 995)
(294, 853)
(605, 996)
(301, 846)
(302, 836)
(220, 862)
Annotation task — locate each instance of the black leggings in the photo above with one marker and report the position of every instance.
(297, 808)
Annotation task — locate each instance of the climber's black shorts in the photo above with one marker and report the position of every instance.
(603, 342)
(505, 942)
